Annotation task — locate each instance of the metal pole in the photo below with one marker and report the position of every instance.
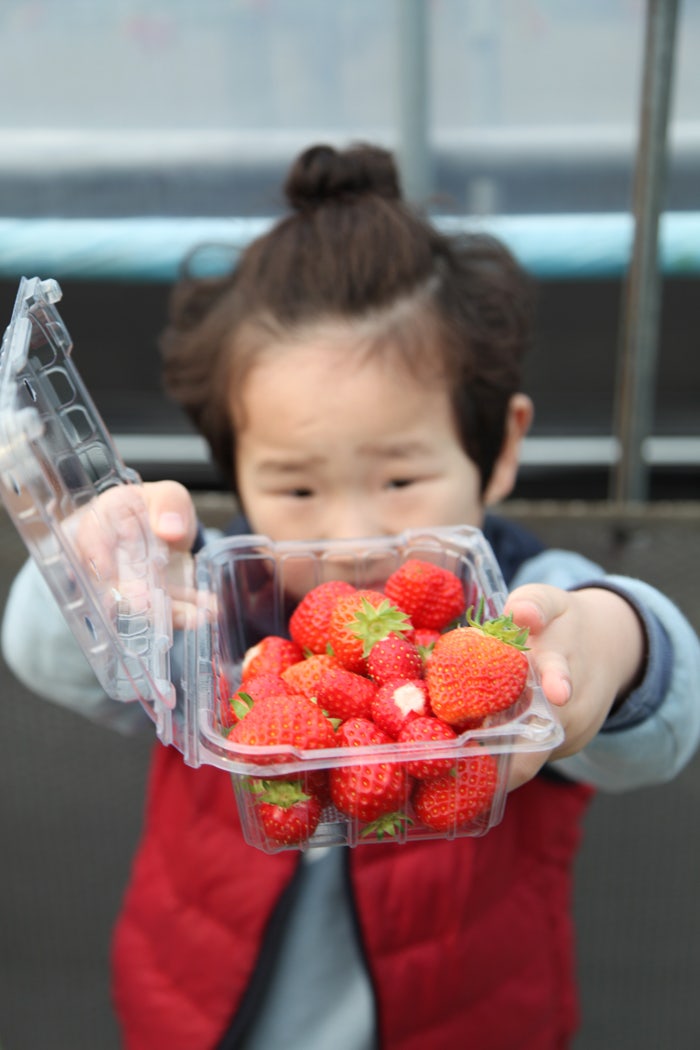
(414, 91)
(641, 303)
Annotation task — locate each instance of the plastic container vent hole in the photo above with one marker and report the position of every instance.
(14, 484)
(30, 389)
(91, 628)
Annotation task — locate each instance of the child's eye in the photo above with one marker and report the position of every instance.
(301, 493)
(399, 483)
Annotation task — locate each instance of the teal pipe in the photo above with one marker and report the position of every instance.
(152, 249)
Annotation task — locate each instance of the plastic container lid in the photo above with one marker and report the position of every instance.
(56, 459)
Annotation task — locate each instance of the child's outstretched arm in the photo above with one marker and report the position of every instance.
(622, 666)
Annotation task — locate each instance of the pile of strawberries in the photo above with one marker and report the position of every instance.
(362, 668)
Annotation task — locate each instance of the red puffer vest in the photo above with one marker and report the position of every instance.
(468, 943)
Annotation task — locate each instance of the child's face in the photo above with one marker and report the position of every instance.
(333, 445)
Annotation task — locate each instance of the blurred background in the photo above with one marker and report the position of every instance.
(134, 130)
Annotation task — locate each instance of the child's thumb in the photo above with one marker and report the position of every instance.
(171, 513)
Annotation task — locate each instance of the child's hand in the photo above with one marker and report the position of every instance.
(117, 521)
(110, 538)
(588, 648)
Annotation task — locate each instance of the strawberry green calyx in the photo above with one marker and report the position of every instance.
(284, 793)
(501, 627)
(387, 826)
(372, 623)
(335, 722)
(242, 704)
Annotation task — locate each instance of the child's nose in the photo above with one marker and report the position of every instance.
(352, 519)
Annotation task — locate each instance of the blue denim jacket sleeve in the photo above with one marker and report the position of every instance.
(656, 730)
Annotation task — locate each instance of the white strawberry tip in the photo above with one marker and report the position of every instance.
(410, 699)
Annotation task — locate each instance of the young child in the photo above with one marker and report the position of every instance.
(357, 374)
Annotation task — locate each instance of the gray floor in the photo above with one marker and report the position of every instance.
(70, 812)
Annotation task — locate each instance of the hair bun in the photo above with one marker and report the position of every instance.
(322, 173)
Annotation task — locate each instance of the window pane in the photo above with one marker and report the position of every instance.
(177, 107)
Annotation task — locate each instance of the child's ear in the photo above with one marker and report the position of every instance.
(505, 469)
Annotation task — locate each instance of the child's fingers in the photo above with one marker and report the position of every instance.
(524, 765)
(536, 605)
(113, 539)
(555, 676)
(110, 533)
(171, 513)
(539, 607)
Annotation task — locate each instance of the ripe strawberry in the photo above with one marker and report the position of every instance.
(431, 596)
(358, 621)
(227, 715)
(315, 782)
(288, 814)
(304, 676)
(369, 790)
(256, 687)
(398, 701)
(424, 640)
(344, 694)
(280, 719)
(394, 657)
(308, 624)
(221, 683)
(467, 724)
(271, 653)
(477, 670)
(426, 728)
(452, 801)
(222, 696)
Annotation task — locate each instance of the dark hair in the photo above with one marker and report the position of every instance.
(352, 249)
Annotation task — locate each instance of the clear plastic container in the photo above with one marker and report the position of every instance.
(172, 633)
